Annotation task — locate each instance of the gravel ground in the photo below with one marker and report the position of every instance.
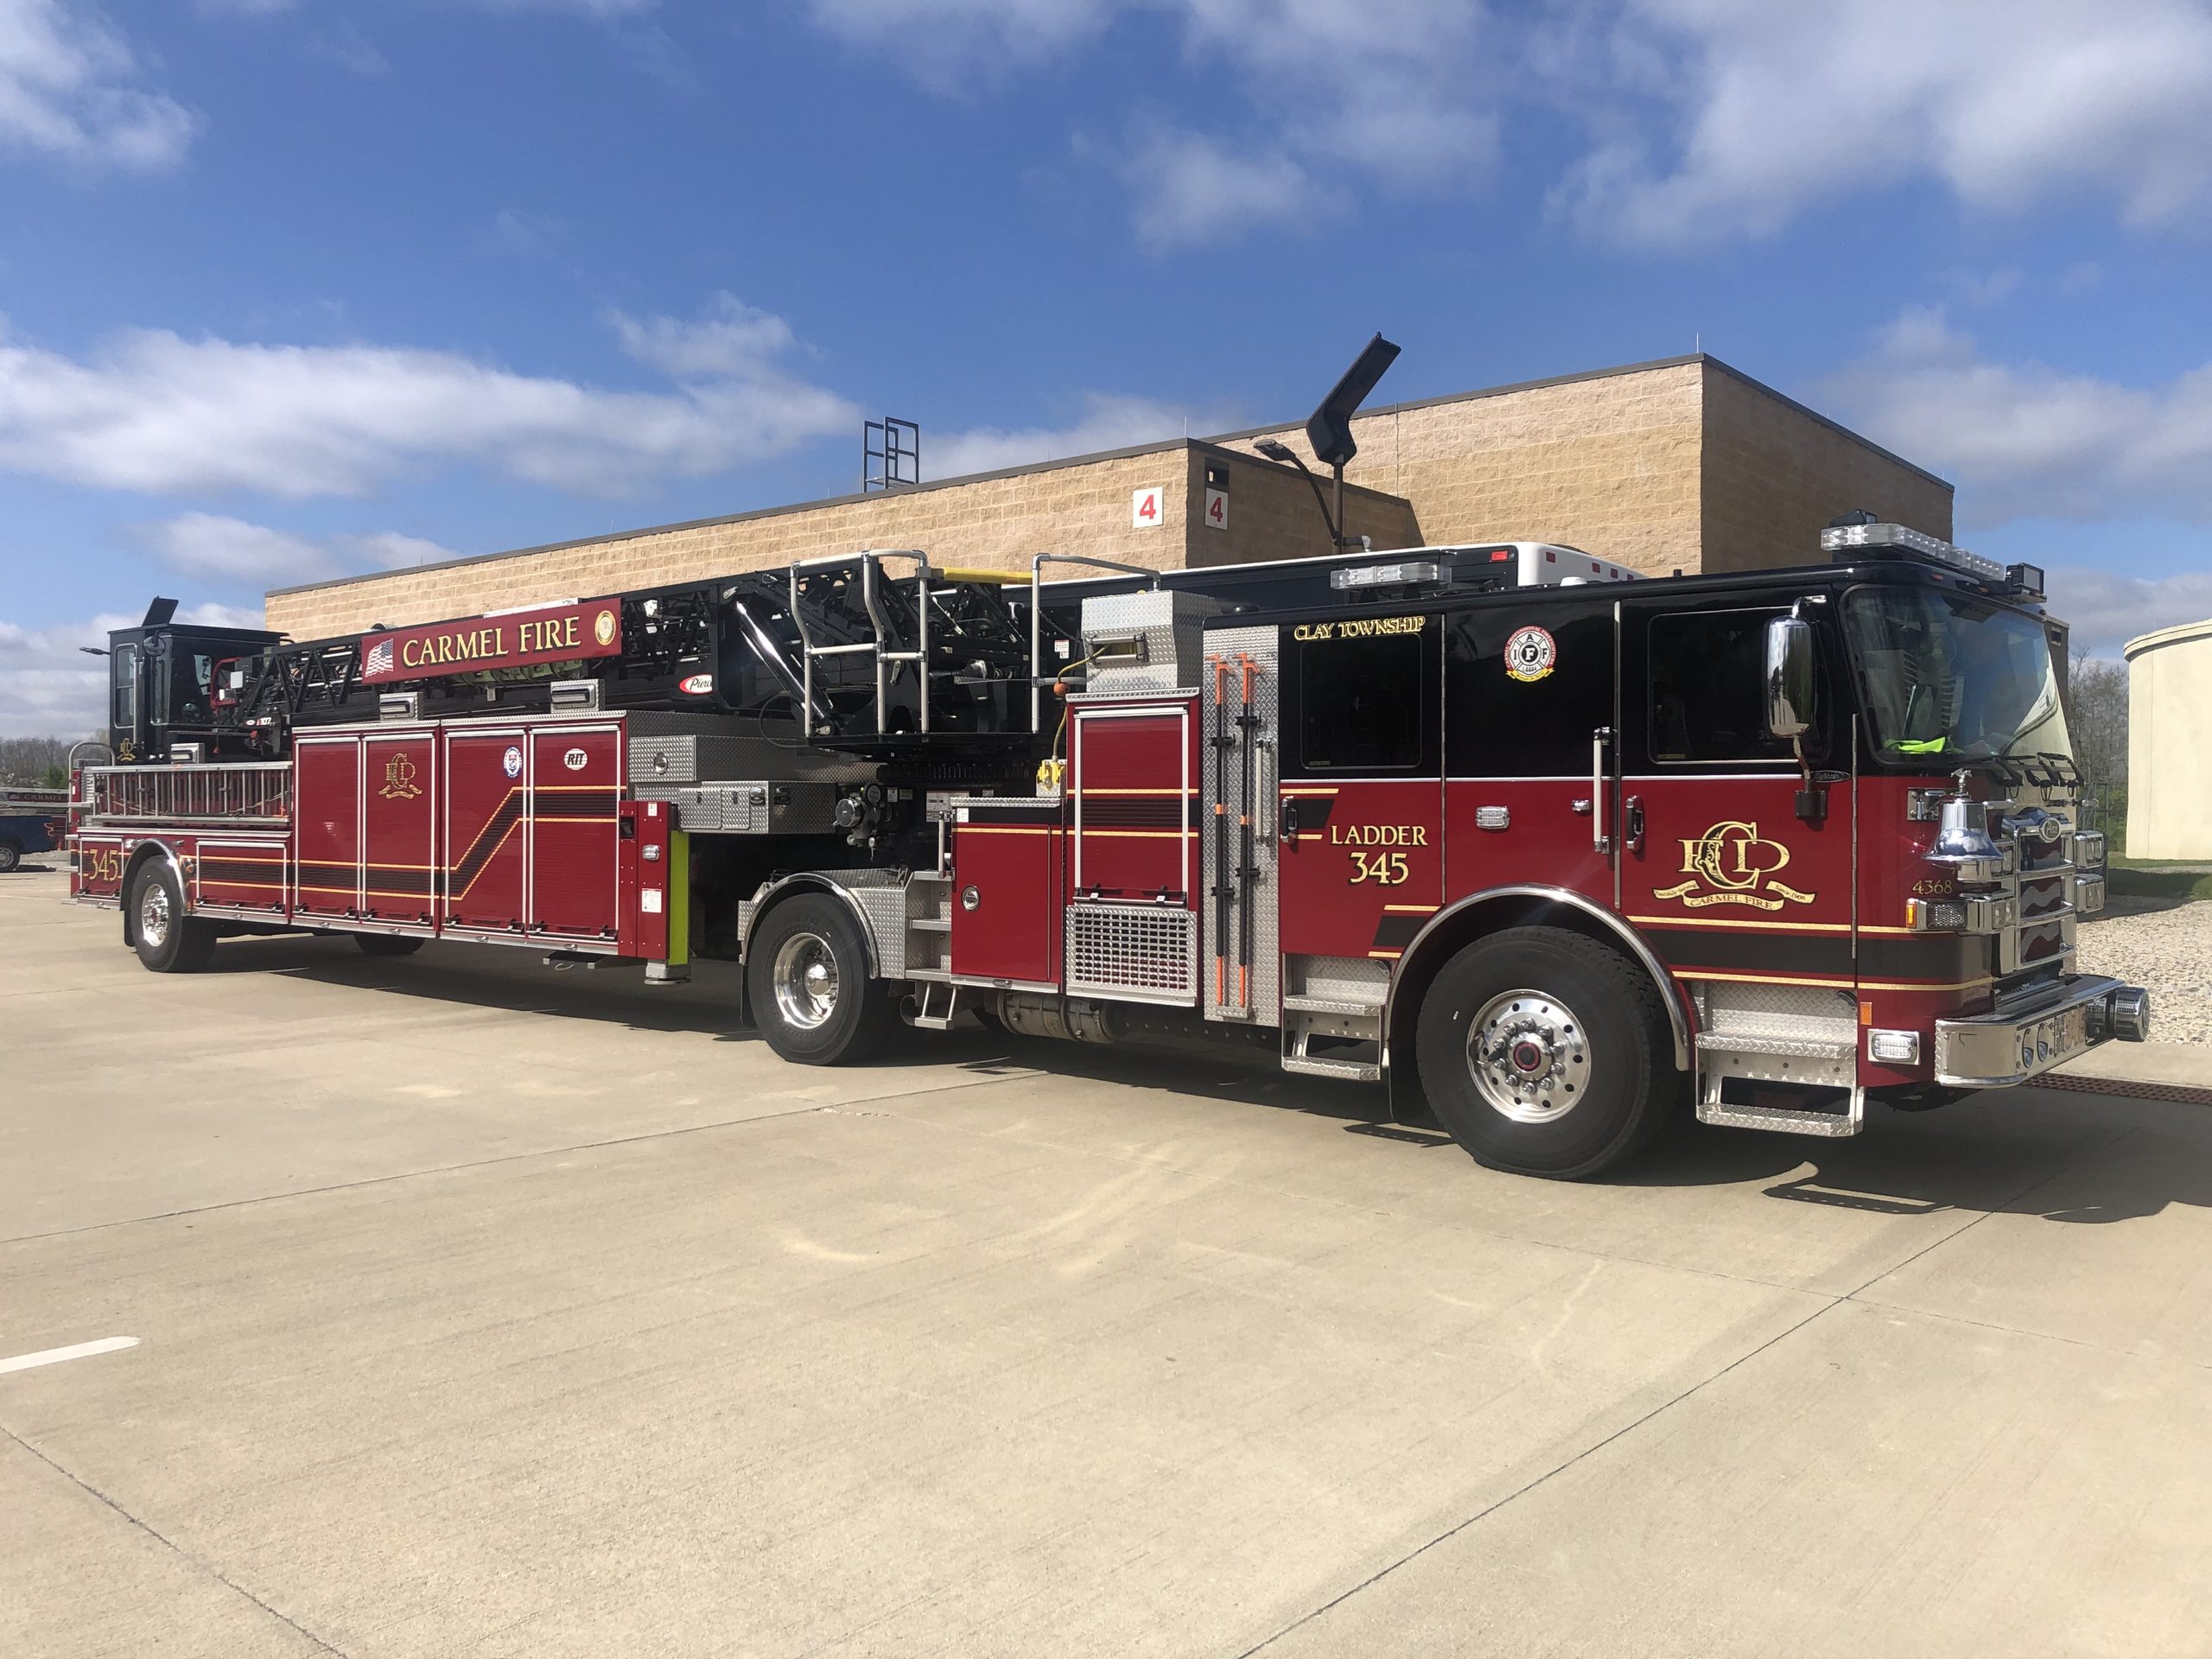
(2170, 950)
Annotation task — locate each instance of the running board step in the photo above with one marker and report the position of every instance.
(929, 1014)
(1350, 1010)
(1789, 1120)
(1349, 1071)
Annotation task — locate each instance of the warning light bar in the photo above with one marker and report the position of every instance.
(1899, 538)
(1410, 574)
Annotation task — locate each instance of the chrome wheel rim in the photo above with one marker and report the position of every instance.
(805, 975)
(1530, 1056)
(154, 913)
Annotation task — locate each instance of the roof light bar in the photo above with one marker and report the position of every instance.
(1413, 573)
(1900, 538)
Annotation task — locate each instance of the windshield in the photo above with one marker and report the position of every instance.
(1956, 677)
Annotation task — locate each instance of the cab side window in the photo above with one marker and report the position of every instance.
(1360, 702)
(1707, 696)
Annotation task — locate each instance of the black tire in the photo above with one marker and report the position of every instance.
(11, 857)
(168, 941)
(1578, 1070)
(806, 979)
(387, 945)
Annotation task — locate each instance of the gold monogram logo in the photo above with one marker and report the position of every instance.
(399, 782)
(1739, 865)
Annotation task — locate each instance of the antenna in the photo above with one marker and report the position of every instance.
(891, 454)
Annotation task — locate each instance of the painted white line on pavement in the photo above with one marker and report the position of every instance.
(55, 1355)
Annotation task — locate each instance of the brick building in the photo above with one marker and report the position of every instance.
(1685, 464)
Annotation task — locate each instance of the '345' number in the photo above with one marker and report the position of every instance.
(1385, 869)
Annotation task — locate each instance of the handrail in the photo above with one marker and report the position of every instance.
(1037, 616)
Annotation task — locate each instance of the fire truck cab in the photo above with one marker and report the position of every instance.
(1544, 846)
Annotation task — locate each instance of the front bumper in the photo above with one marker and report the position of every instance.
(1996, 1050)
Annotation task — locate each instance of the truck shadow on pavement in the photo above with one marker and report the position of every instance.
(2067, 1156)
(2075, 1158)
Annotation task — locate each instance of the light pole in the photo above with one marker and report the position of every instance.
(1274, 450)
(1330, 430)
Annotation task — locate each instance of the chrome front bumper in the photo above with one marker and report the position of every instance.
(1996, 1050)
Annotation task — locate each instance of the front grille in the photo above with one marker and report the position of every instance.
(1142, 953)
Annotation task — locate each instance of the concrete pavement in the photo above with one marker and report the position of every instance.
(487, 1310)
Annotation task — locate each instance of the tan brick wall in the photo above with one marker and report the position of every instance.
(1609, 464)
(992, 524)
(1272, 514)
(989, 524)
(1681, 466)
(1773, 475)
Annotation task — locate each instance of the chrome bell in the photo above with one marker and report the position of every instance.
(1964, 835)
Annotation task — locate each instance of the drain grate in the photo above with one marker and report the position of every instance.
(2179, 1093)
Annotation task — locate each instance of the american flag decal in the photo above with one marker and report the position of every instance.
(380, 660)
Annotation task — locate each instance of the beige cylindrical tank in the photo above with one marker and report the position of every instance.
(2169, 743)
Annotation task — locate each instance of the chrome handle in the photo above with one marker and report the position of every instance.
(1598, 839)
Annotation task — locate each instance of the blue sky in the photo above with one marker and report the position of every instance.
(295, 287)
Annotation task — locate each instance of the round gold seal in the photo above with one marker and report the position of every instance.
(603, 629)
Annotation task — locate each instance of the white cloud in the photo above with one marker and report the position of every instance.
(68, 89)
(50, 688)
(217, 547)
(948, 42)
(1107, 422)
(1186, 190)
(733, 342)
(150, 411)
(2025, 439)
(1396, 92)
(2104, 611)
(1711, 118)
(1765, 110)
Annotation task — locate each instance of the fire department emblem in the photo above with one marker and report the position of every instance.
(399, 775)
(602, 628)
(1732, 864)
(511, 762)
(1530, 654)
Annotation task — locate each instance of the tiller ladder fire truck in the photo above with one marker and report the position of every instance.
(1545, 847)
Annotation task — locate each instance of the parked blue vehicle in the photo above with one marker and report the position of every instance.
(31, 821)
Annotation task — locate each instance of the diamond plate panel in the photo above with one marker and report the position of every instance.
(1254, 747)
(1169, 624)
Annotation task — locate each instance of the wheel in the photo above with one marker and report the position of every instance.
(11, 857)
(387, 945)
(170, 942)
(806, 977)
(1546, 1053)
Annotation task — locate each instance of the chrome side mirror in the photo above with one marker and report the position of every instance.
(1788, 676)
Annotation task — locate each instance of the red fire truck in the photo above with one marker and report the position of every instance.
(1545, 847)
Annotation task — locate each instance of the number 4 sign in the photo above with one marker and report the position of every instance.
(1217, 508)
(1149, 508)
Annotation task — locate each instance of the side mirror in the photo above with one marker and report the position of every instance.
(1788, 676)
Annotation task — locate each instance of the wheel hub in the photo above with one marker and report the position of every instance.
(805, 978)
(1530, 1056)
(154, 915)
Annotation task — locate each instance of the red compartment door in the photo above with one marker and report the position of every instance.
(1006, 905)
(399, 776)
(327, 820)
(1133, 777)
(486, 837)
(575, 775)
